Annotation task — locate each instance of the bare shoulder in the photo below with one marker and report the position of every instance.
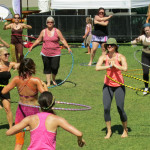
(16, 79)
(35, 79)
(55, 117)
(103, 57)
(120, 56)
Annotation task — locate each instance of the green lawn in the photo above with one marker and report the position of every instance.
(84, 86)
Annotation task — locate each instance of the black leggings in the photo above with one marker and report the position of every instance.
(108, 93)
(51, 64)
(145, 60)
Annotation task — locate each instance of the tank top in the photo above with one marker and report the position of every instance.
(113, 73)
(15, 39)
(4, 77)
(146, 46)
(51, 45)
(100, 30)
(40, 137)
(90, 27)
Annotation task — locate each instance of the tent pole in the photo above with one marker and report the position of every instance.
(21, 10)
(27, 5)
(86, 12)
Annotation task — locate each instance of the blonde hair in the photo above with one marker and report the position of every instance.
(2, 49)
(89, 20)
(50, 19)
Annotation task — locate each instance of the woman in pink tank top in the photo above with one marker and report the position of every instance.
(51, 49)
(114, 64)
(44, 125)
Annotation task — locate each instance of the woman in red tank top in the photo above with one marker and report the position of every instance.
(51, 50)
(114, 64)
(16, 40)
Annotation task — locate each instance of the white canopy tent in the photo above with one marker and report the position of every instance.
(95, 4)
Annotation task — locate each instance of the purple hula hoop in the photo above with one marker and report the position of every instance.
(66, 109)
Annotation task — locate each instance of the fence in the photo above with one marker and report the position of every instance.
(122, 27)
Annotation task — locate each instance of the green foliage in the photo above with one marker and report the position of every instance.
(84, 86)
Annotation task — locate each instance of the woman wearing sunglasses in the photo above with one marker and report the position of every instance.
(100, 34)
(51, 50)
(114, 64)
(16, 36)
(5, 67)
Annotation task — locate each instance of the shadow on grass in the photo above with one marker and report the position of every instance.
(4, 126)
(58, 81)
(139, 93)
(116, 128)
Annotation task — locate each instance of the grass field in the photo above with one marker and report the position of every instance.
(84, 86)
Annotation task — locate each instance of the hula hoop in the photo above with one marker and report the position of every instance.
(133, 88)
(138, 60)
(25, 36)
(86, 64)
(67, 75)
(86, 107)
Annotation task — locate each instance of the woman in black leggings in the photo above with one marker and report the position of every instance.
(145, 40)
(114, 64)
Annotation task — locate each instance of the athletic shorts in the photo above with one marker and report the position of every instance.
(100, 39)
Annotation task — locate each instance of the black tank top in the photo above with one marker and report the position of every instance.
(100, 30)
(4, 77)
(16, 38)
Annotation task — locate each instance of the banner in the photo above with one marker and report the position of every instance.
(16, 6)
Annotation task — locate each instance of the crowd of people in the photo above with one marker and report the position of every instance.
(28, 116)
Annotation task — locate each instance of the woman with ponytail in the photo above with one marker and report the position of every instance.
(28, 88)
(44, 125)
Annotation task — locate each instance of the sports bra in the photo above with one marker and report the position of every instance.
(26, 84)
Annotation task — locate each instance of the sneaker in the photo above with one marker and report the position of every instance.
(145, 91)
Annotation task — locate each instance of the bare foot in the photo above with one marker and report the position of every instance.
(90, 63)
(125, 134)
(54, 83)
(108, 135)
(48, 84)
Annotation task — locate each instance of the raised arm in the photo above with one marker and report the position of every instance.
(62, 39)
(41, 86)
(137, 40)
(68, 127)
(7, 26)
(102, 21)
(99, 65)
(39, 39)
(13, 65)
(25, 26)
(10, 86)
(4, 43)
(19, 126)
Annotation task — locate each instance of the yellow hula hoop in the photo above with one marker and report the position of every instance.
(134, 73)
(133, 88)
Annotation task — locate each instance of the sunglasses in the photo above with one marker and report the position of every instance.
(16, 17)
(50, 22)
(101, 13)
(6, 54)
(112, 45)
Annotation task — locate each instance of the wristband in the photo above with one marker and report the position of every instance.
(24, 129)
